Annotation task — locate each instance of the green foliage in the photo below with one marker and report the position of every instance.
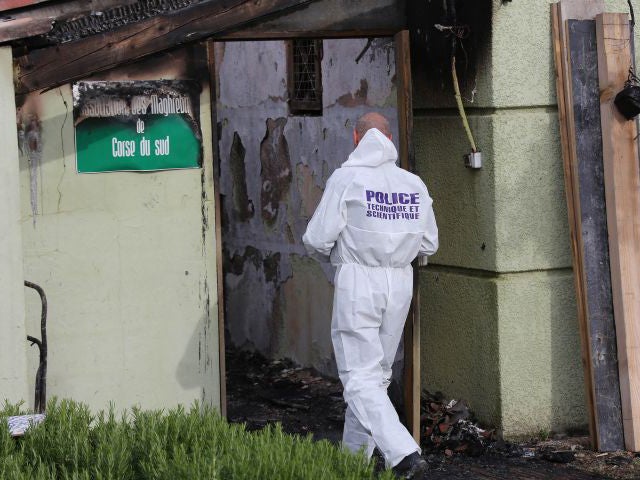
(73, 444)
(544, 434)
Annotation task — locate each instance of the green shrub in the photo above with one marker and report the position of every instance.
(73, 444)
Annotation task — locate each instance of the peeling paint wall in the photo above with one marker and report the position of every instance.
(127, 260)
(274, 166)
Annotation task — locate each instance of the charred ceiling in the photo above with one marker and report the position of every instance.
(442, 28)
(57, 22)
(53, 46)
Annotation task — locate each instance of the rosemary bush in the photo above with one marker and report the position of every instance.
(74, 444)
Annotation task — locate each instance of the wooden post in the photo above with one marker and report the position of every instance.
(622, 189)
(407, 161)
(213, 83)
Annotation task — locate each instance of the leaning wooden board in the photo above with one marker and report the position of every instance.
(586, 136)
(565, 120)
(622, 189)
(579, 116)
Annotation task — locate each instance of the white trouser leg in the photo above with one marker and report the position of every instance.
(355, 437)
(369, 311)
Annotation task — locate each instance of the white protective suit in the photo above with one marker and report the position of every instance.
(373, 220)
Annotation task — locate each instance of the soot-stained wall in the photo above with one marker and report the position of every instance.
(127, 259)
(273, 169)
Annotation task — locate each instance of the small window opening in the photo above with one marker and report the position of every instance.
(305, 76)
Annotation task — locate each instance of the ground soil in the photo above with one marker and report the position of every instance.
(262, 392)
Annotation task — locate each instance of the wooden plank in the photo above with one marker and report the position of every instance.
(586, 138)
(12, 4)
(218, 225)
(588, 239)
(40, 20)
(331, 18)
(407, 161)
(50, 67)
(622, 189)
(564, 112)
(405, 102)
(580, 9)
(255, 34)
(322, 19)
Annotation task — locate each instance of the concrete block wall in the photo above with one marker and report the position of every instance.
(498, 308)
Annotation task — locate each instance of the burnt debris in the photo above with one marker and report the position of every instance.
(449, 426)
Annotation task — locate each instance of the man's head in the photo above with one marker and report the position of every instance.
(368, 121)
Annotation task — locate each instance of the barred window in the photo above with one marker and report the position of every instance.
(305, 76)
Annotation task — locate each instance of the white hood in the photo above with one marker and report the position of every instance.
(373, 150)
(372, 212)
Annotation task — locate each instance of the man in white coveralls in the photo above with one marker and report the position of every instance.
(374, 218)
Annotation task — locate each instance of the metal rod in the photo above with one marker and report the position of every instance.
(40, 401)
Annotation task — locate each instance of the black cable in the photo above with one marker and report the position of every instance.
(633, 17)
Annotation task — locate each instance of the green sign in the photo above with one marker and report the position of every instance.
(137, 126)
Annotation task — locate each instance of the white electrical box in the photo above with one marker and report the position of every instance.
(473, 160)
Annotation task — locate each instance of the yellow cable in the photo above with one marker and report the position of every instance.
(463, 115)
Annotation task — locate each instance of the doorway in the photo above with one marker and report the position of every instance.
(285, 110)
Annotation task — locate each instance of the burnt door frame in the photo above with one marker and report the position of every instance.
(411, 380)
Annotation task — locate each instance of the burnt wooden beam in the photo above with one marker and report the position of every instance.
(578, 95)
(322, 19)
(329, 18)
(13, 4)
(50, 67)
(40, 20)
(591, 212)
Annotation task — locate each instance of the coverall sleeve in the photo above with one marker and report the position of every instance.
(327, 222)
(429, 243)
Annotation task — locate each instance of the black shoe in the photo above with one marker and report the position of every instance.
(411, 467)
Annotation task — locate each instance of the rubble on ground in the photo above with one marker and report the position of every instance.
(262, 391)
(448, 426)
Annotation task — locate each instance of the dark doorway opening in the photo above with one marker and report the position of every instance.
(272, 164)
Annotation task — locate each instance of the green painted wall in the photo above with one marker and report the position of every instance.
(541, 380)
(461, 352)
(498, 310)
(127, 261)
(13, 359)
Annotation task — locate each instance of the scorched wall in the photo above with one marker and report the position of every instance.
(274, 166)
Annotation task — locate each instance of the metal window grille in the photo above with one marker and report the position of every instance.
(305, 76)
